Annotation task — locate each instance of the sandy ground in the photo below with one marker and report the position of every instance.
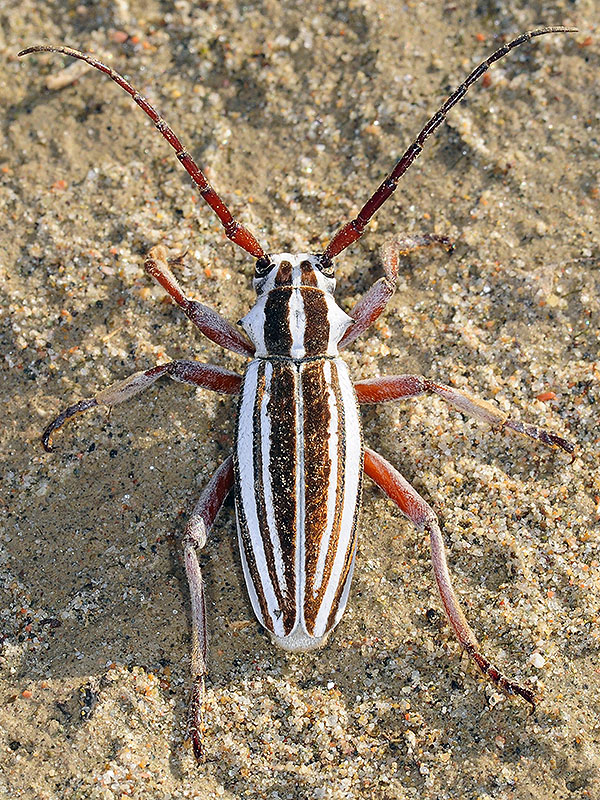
(297, 110)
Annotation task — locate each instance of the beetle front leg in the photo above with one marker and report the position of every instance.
(372, 303)
(205, 376)
(412, 505)
(210, 322)
(196, 531)
(395, 387)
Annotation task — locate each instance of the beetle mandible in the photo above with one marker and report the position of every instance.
(298, 456)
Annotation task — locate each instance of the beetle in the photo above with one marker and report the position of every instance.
(298, 456)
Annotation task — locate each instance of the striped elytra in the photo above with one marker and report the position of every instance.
(297, 456)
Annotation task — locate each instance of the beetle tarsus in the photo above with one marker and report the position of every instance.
(507, 686)
(408, 244)
(195, 725)
(58, 422)
(546, 437)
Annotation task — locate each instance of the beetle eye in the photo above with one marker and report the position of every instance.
(326, 266)
(262, 266)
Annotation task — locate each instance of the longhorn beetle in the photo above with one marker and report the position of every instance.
(298, 456)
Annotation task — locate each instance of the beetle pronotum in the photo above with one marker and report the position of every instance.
(298, 454)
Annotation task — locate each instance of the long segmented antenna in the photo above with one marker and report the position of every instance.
(353, 230)
(233, 229)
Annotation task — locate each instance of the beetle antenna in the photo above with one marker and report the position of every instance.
(233, 229)
(353, 230)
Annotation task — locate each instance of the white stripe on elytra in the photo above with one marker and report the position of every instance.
(266, 448)
(255, 602)
(245, 454)
(332, 439)
(352, 468)
(300, 503)
(345, 593)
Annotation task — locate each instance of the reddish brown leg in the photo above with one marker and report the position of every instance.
(233, 229)
(211, 323)
(371, 305)
(381, 390)
(412, 505)
(195, 535)
(206, 376)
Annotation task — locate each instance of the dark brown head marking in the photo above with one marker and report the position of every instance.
(284, 274)
(308, 277)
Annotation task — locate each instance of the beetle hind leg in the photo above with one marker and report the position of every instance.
(194, 539)
(422, 516)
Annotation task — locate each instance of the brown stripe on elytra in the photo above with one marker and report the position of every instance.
(307, 274)
(283, 456)
(313, 606)
(284, 274)
(259, 467)
(316, 329)
(278, 336)
(245, 537)
(316, 395)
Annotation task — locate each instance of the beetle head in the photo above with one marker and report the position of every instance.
(281, 270)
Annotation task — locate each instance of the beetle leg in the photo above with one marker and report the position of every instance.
(394, 387)
(412, 505)
(206, 376)
(372, 303)
(210, 322)
(203, 516)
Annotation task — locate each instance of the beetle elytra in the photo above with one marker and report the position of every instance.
(298, 456)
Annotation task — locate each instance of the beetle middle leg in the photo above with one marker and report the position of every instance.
(205, 376)
(412, 505)
(394, 387)
(196, 531)
(373, 302)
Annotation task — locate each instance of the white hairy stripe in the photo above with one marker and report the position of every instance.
(332, 498)
(254, 601)
(266, 446)
(339, 322)
(326, 285)
(353, 467)
(345, 593)
(254, 325)
(300, 504)
(296, 272)
(245, 457)
(297, 323)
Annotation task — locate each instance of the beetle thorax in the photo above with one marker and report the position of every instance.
(295, 315)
